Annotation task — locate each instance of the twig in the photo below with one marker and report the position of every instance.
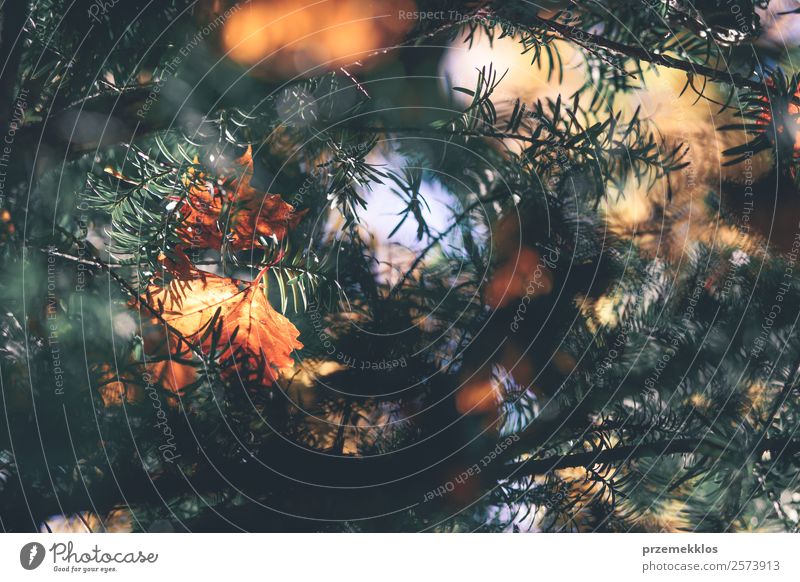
(74, 259)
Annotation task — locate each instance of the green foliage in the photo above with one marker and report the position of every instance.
(677, 410)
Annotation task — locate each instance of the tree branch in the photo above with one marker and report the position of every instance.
(628, 452)
(583, 38)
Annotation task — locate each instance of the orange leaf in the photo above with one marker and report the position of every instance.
(172, 375)
(270, 216)
(190, 302)
(251, 213)
(115, 388)
(201, 211)
(524, 273)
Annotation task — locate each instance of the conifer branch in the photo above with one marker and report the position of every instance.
(641, 53)
(631, 452)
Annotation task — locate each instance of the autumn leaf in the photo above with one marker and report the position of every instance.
(232, 210)
(194, 300)
(172, 374)
(524, 273)
(118, 386)
(114, 388)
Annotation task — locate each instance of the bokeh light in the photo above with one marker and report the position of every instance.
(291, 37)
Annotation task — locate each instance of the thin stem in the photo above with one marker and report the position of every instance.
(74, 259)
